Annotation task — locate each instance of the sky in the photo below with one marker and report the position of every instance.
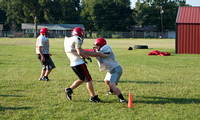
(190, 2)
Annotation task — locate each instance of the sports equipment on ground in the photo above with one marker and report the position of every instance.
(129, 48)
(101, 42)
(78, 32)
(141, 47)
(43, 31)
(130, 104)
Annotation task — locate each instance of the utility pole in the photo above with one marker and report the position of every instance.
(161, 20)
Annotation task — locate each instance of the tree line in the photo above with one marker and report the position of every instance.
(95, 15)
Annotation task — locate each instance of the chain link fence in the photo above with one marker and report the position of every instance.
(97, 34)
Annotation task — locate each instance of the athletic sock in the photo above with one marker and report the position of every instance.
(69, 89)
(121, 97)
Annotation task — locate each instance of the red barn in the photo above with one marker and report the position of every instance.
(188, 30)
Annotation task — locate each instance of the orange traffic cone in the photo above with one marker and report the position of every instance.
(130, 101)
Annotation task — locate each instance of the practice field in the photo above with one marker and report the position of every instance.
(162, 87)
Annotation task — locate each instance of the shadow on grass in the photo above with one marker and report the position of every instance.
(139, 82)
(163, 100)
(143, 82)
(11, 96)
(103, 101)
(14, 108)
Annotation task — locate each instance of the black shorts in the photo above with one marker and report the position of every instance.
(48, 63)
(82, 72)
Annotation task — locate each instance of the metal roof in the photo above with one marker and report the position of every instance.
(188, 15)
(52, 26)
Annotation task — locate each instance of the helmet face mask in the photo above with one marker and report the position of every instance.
(78, 32)
(44, 32)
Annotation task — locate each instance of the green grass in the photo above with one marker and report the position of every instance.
(162, 87)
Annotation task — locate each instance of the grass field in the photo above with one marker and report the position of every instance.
(162, 87)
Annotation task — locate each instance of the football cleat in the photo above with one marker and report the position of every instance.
(68, 92)
(110, 93)
(45, 78)
(95, 99)
(123, 101)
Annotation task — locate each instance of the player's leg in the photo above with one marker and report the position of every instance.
(42, 74)
(90, 88)
(93, 98)
(114, 88)
(87, 78)
(46, 75)
(83, 74)
(77, 70)
(117, 91)
(114, 79)
(69, 90)
(107, 83)
(49, 66)
(76, 84)
(43, 67)
(110, 90)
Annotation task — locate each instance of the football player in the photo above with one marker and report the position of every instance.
(106, 61)
(42, 51)
(76, 56)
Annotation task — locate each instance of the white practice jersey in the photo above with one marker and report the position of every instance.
(109, 62)
(44, 42)
(70, 45)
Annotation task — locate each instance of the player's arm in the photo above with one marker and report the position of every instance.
(41, 54)
(95, 54)
(81, 53)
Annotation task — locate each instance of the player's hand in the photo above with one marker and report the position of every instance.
(90, 59)
(85, 61)
(50, 54)
(42, 58)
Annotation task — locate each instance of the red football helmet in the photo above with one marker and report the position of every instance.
(101, 42)
(44, 31)
(78, 32)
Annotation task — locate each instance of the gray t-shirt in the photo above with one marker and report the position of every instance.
(109, 62)
(44, 42)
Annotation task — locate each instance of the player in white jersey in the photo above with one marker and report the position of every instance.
(76, 56)
(42, 51)
(106, 61)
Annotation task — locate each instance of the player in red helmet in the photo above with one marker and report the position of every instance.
(100, 42)
(76, 56)
(78, 32)
(43, 53)
(44, 32)
(106, 61)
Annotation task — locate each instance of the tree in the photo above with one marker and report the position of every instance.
(3, 17)
(40, 11)
(107, 15)
(159, 13)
